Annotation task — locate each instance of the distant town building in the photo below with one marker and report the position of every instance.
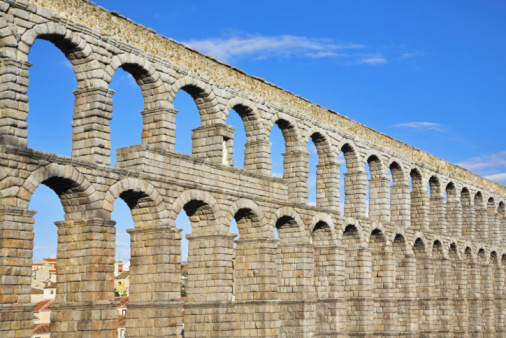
(122, 284)
(45, 271)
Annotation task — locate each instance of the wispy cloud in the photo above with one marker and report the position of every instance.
(485, 162)
(373, 60)
(68, 65)
(276, 174)
(420, 125)
(38, 248)
(499, 178)
(267, 46)
(411, 55)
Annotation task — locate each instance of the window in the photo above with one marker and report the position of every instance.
(123, 312)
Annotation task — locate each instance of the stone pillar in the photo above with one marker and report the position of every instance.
(214, 143)
(488, 302)
(419, 210)
(209, 288)
(85, 275)
(256, 288)
(468, 221)
(355, 189)
(91, 134)
(454, 217)
(460, 302)
(16, 251)
(493, 226)
(257, 157)
(400, 205)
(379, 199)
(154, 307)
(410, 297)
(327, 289)
(327, 184)
(499, 281)
(14, 102)
(159, 128)
(425, 300)
(360, 319)
(445, 314)
(296, 289)
(481, 229)
(437, 217)
(474, 300)
(296, 172)
(385, 309)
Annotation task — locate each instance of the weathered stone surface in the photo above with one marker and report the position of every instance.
(402, 264)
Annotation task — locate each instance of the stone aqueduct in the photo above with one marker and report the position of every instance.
(416, 263)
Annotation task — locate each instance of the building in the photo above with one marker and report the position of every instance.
(122, 283)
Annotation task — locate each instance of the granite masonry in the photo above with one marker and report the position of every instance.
(413, 261)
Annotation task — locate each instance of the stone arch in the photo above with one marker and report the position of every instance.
(256, 135)
(75, 48)
(327, 179)
(403, 281)
(351, 156)
(378, 189)
(289, 223)
(381, 273)
(250, 218)
(201, 92)
(142, 198)
(147, 77)
(375, 166)
(435, 187)
(419, 206)
(67, 182)
(197, 202)
(290, 129)
(325, 218)
(451, 191)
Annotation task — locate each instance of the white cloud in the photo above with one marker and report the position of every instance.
(265, 46)
(485, 162)
(419, 125)
(129, 79)
(373, 60)
(498, 178)
(123, 245)
(312, 203)
(39, 248)
(68, 65)
(275, 174)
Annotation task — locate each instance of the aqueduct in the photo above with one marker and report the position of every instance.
(413, 262)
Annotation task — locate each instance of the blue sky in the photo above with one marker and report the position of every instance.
(429, 73)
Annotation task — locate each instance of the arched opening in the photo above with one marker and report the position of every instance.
(351, 280)
(52, 80)
(278, 148)
(440, 291)
(403, 285)
(468, 215)
(126, 124)
(255, 271)
(235, 148)
(325, 257)
(453, 211)
(290, 142)
(436, 206)
(399, 196)
(187, 119)
(355, 184)
(497, 288)
(44, 267)
(485, 288)
(381, 288)
(473, 291)
(424, 284)
(501, 210)
(122, 216)
(419, 210)
(481, 218)
(295, 275)
(314, 194)
(456, 290)
(209, 270)
(378, 193)
(493, 221)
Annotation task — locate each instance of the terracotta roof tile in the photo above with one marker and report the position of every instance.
(123, 275)
(44, 305)
(40, 328)
(123, 301)
(121, 321)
